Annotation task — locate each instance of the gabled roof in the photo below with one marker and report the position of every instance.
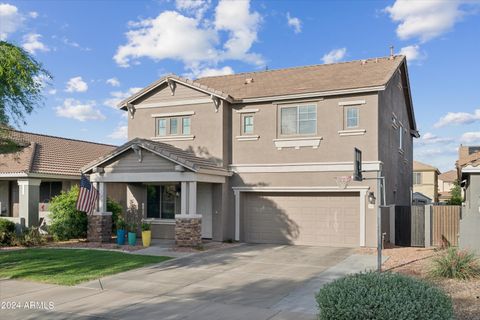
(449, 176)
(419, 166)
(184, 158)
(359, 74)
(49, 155)
(470, 160)
(178, 79)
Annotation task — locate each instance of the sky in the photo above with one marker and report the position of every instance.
(100, 52)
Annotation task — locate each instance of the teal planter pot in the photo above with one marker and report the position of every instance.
(121, 237)
(132, 238)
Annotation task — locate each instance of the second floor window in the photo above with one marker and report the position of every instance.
(173, 126)
(417, 178)
(298, 120)
(248, 124)
(352, 117)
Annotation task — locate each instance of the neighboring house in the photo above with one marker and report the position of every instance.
(446, 181)
(425, 180)
(468, 167)
(44, 167)
(420, 199)
(254, 156)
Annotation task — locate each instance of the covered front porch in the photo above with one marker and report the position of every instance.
(178, 194)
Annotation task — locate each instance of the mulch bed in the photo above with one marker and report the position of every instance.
(416, 262)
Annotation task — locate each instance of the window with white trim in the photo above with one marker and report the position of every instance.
(186, 126)
(298, 120)
(417, 178)
(352, 117)
(173, 126)
(247, 124)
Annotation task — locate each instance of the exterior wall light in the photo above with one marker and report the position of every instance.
(371, 198)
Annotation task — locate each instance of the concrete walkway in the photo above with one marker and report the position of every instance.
(247, 282)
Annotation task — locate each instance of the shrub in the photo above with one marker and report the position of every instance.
(121, 224)
(116, 209)
(145, 226)
(374, 295)
(7, 232)
(456, 264)
(67, 222)
(29, 238)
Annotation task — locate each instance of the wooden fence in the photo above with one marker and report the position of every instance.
(410, 226)
(445, 225)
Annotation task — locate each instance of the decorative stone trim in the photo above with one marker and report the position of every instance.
(188, 232)
(253, 137)
(352, 132)
(297, 142)
(99, 228)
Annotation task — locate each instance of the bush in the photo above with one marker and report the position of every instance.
(456, 264)
(29, 238)
(116, 209)
(67, 222)
(7, 232)
(382, 296)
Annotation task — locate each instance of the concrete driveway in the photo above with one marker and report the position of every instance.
(246, 282)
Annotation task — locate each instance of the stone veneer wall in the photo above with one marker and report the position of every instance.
(188, 232)
(99, 228)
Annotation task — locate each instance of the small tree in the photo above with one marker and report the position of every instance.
(67, 221)
(456, 192)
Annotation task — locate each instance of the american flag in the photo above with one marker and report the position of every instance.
(87, 197)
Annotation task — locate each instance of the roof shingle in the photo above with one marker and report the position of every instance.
(50, 155)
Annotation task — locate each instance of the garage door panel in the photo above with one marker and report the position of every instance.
(307, 219)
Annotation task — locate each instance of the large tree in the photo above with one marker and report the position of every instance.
(21, 82)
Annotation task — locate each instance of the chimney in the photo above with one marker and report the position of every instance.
(463, 152)
(391, 53)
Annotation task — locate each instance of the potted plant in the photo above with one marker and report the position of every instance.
(121, 226)
(146, 234)
(132, 234)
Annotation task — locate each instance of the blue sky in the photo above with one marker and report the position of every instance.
(100, 51)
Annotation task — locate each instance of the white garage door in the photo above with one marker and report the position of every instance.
(318, 219)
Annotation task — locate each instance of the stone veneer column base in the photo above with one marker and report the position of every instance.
(99, 227)
(188, 232)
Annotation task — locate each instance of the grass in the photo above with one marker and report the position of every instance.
(68, 266)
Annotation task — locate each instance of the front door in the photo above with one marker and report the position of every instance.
(204, 205)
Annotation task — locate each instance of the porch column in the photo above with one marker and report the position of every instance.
(29, 197)
(100, 221)
(102, 197)
(188, 225)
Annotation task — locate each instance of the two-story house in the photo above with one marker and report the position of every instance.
(255, 157)
(425, 182)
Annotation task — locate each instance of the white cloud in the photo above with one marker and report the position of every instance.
(458, 118)
(209, 72)
(77, 110)
(32, 43)
(10, 19)
(33, 14)
(471, 137)
(52, 91)
(242, 25)
(335, 55)
(193, 7)
(168, 36)
(413, 52)
(424, 20)
(113, 82)
(295, 23)
(120, 132)
(198, 43)
(430, 138)
(76, 84)
(117, 96)
(74, 44)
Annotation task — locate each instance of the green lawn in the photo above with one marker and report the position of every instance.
(68, 266)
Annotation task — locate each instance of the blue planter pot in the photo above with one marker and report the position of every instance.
(132, 238)
(120, 237)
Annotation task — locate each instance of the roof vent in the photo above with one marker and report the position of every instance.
(392, 54)
(248, 80)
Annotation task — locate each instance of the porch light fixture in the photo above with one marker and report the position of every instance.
(371, 198)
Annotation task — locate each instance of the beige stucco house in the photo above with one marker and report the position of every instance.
(40, 170)
(446, 181)
(425, 180)
(254, 156)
